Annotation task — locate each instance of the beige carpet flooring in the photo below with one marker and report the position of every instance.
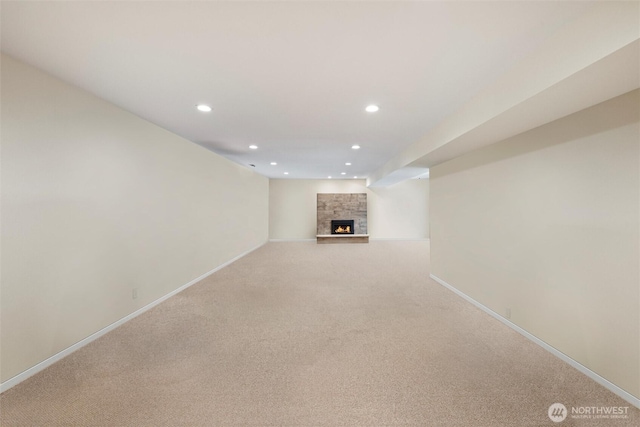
(299, 334)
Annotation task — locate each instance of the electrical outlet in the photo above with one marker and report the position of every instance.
(134, 293)
(508, 313)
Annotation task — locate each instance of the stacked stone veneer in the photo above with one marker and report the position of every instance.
(342, 206)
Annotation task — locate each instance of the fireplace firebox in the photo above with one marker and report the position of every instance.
(342, 226)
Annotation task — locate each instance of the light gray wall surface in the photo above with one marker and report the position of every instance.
(396, 212)
(546, 225)
(97, 202)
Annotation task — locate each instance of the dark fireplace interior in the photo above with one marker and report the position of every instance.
(342, 226)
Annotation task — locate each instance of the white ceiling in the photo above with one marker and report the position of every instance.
(291, 77)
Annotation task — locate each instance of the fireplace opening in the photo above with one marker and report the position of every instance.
(342, 226)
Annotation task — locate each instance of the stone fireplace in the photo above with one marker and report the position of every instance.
(342, 218)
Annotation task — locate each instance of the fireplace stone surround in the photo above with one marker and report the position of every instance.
(339, 206)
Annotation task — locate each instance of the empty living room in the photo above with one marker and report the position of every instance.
(320, 213)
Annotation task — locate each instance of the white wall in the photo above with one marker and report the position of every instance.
(396, 212)
(400, 211)
(97, 202)
(546, 224)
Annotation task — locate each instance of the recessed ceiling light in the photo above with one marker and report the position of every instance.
(273, 163)
(286, 173)
(203, 108)
(343, 173)
(355, 147)
(372, 108)
(253, 147)
(347, 164)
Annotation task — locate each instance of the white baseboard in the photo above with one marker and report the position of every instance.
(580, 367)
(56, 357)
(292, 240)
(399, 239)
(370, 238)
